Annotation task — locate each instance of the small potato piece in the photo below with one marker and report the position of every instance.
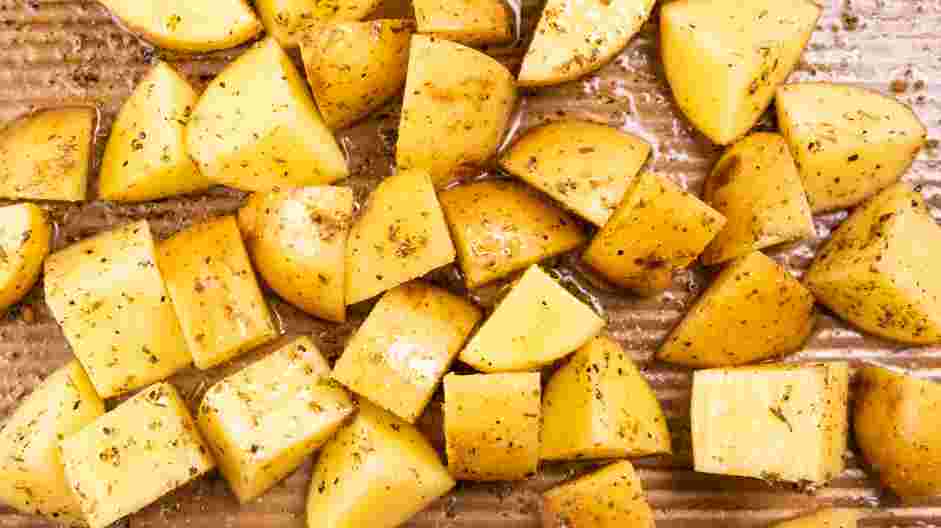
(501, 227)
(754, 310)
(289, 20)
(112, 304)
(378, 472)
(250, 215)
(46, 155)
(491, 425)
(755, 185)
(781, 422)
(400, 353)
(25, 236)
(256, 127)
(849, 142)
(470, 22)
(612, 497)
(130, 457)
(587, 167)
(828, 518)
(32, 478)
(536, 323)
(457, 107)
(657, 230)
(878, 269)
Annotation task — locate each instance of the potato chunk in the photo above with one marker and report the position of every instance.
(130, 457)
(491, 425)
(112, 304)
(754, 310)
(400, 353)
(264, 420)
(828, 518)
(612, 497)
(781, 423)
(470, 22)
(25, 236)
(587, 167)
(289, 20)
(877, 271)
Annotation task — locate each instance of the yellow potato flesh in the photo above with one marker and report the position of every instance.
(612, 497)
(470, 22)
(290, 21)
(25, 236)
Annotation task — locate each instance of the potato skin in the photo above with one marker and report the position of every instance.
(611, 497)
(289, 21)
(24, 242)
(469, 22)
(827, 518)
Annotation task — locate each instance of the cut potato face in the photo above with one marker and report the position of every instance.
(849, 142)
(828, 518)
(289, 20)
(741, 50)
(470, 22)
(612, 497)
(25, 235)
(587, 167)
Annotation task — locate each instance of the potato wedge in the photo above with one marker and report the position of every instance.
(25, 235)
(289, 20)
(612, 497)
(827, 518)
(470, 22)
(256, 127)
(457, 107)
(587, 167)
(849, 142)
(741, 50)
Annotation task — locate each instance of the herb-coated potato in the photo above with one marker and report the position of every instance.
(827, 518)
(724, 58)
(25, 235)
(470, 22)
(612, 497)
(250, 216)
(289, 20)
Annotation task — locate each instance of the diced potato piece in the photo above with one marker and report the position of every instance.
(32, 478)
(754, 310)
(250, 215)
(755, 185)
(356, 67)
(400, 235)
(877, 271)
(657, 230)
(741, 50)
(612, 497)
(587, 167)
(600, 406)
(25, 236)
(379, 471)
(849, 142)
(781, 423)
(491, 425)
(130, 457)
(536, 323)
(828, 518)
(470, 22)
(256, 127)
(46, 155)
(403, 349)
(112, 304)
(263, 421)
(501, 226)
(289, 20)
(457, 107)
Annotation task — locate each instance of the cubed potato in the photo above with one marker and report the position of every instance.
(849, 142)
(754, 310)
(256, 127)
(400, 235)
(755, 185)
(289, 20)
(827, 518)
(470, 22)
(612, 497)
(356, 67)
(491, 425)
(130, 457)
(657, 230)
(741, 50)
(108, 296)
(146, 157)
(400, 353)
(877, 271)
(379, 471)
(456, 111)
(32, 477)
(780, 422)
(500, 227)
(600, 406)
(263, 421)
(587, 167)
(536, 323)
(46, 155)
(24, 245)
(214, 292)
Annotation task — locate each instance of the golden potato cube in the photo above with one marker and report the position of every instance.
(612, 497)
(400, 353)
(112, 304)
(24, 245)
(263, 421)
(130, 457)
(754, 310)
(289, 20)
(657, 230)
(378, 472)
(827, 518)
(781, 423)
(470, 22)
(600, 406)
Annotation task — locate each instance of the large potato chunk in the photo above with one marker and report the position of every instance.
(609, 498)
(25, 235)
(849, 142)
(828, 518)
(256, 127)
(456, 110)
(111, 302)
(740, 50)
(878, 269)
(471, 22)
(289, 20)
